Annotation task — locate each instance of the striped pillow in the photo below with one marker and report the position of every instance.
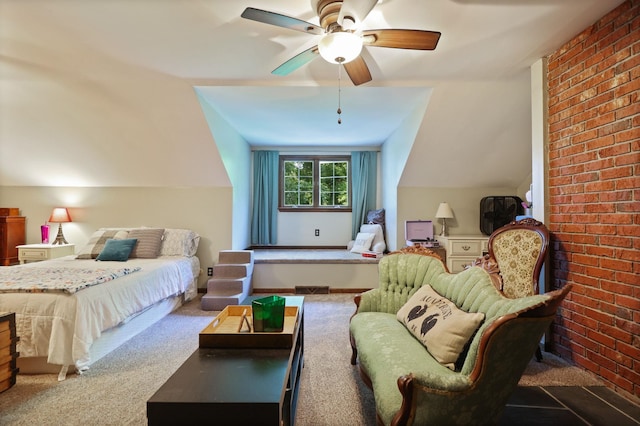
(97, 241)
(149, 242)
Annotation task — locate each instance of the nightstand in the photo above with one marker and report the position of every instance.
(36, 252)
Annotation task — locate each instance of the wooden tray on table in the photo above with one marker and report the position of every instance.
(229, 330)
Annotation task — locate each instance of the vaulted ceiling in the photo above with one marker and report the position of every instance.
(475, 85)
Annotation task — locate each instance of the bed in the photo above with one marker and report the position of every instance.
(80, 309)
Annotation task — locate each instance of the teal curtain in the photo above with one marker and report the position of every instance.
(364, 166)
(264, 214)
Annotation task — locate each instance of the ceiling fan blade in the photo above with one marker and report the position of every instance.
(356, 9)
(402, 39)
(297, 61)
(358, 71)
(279, 20)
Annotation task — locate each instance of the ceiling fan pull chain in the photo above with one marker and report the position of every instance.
(339, 90)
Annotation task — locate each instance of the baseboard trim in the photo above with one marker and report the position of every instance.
(302, 289)
(348, 290)
(297, 248)
(292, 291)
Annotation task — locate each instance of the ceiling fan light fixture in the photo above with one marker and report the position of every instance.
(340, 47)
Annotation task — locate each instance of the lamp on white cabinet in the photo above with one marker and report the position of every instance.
(444, 212)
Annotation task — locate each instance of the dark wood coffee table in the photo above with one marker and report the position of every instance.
(234, 386)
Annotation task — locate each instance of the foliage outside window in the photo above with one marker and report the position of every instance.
(315, 183)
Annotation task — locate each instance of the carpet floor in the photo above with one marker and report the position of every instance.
(115, 389)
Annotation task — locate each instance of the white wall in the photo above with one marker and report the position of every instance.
(117, 143)
(540, 154)
(91, 208)
(72, 116)
(539, 138)
(298, 229)
(422, 203)
(395, 152)
(236, 156)
(499, 136)
(98, 122)
(354, 276)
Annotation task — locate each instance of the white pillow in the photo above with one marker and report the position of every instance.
(378, 244)
(179, 242)
(439, 324)
(363, 242)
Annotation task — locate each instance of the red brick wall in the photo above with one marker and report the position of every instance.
(594, 188)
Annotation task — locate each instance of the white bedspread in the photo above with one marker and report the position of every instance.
(44, 278)
(62, 327)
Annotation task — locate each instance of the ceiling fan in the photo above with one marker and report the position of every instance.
(342, 41)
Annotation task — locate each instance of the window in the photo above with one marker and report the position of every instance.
(315, 183)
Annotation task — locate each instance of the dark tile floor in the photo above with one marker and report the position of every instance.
(569, 405)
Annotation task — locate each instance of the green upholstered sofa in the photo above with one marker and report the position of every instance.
(409, 385)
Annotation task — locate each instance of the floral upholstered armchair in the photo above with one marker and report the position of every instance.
(517, 252)
(520, 248)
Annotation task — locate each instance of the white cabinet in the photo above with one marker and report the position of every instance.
(37, 252)
(463, 249)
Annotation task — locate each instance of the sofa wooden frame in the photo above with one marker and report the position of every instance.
(484, 362)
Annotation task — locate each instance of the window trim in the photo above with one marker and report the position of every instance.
(316, 183)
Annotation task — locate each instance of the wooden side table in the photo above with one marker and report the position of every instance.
(37, 252)
(8, 353)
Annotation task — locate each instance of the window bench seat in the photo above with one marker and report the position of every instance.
(282, 270)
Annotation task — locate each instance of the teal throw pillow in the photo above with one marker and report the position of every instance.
(118, 250)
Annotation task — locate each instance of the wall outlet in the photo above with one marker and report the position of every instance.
(210, 271)
(317, 232)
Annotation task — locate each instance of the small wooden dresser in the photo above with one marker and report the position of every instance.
(12, 234)
(8, 354)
